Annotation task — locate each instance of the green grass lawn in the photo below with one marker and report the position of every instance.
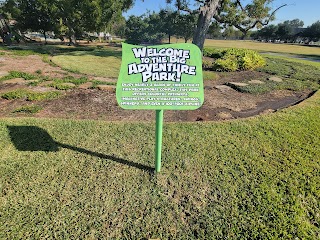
(102, 62)
(97, 61)
(296, 75)
(257, 178)
(265, 47)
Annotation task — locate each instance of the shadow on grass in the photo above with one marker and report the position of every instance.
(31, 138)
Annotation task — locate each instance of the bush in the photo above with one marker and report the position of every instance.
(30, 95)
(228, 63)
(28, 109)
(207, 64)
(17, 74)
(234, 59)
(212, 52)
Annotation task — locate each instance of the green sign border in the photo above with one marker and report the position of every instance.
(145, 88)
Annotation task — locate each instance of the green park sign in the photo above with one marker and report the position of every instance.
(163, 77)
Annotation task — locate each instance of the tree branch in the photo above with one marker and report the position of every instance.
(268, 20)
(284, 5)
(240, 5)
(182, 7)
(200, 1)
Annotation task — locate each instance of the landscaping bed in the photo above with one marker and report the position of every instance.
(79, 95)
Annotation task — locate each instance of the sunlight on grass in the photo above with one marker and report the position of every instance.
(257, 178)
(306, 62)
(103, 66)
(210, 75)
(266, 47)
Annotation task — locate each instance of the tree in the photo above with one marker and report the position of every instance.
(214, 30)
(144, 28)
(77, 15)
(111, 13)
(246, 17)
(231, 12)
(268, 33)
(119, 27)
(34, 15)
(154, 31)
(288, 29)
(136, 28)
(230, 32)
(169, 21)
(185, 26)
(313, 32)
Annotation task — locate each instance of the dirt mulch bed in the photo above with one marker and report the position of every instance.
(220, 103)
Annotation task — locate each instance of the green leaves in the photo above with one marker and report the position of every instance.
(30, 95)
(234, 59)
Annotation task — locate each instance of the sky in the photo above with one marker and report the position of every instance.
(306, 10)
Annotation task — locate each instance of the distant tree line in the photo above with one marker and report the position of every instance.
(68, 17)
(73, 17)
(154, 27)
(242, 15)
(289, 31)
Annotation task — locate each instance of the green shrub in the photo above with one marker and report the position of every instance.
(212, 52)
(15, 94)
(251, 60)
(61, 86)
(95, 83)
(30, 95)
(28, 109)
(228, 63)
(237, 59)
(71, 79)
(36, 96)
(207, 64)
(17, 74)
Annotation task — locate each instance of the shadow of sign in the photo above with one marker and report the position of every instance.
(31, 138)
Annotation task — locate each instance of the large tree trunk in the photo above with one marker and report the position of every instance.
(205, 17)
(45, 36)
(72, 33)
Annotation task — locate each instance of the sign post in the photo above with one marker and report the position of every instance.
(163, 77)
(159, 126)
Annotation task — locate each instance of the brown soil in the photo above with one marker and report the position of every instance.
(221, 103)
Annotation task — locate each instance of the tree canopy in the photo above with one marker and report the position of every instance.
(76, 16)
(290, 31)
(235, 13)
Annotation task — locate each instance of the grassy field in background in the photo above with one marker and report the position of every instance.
(295, 60)
(257, 178)
(106, 61)
(102, 62)
(265, 47)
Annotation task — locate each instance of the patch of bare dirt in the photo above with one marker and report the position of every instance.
(221, 102)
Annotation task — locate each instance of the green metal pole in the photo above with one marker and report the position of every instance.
(159, 125)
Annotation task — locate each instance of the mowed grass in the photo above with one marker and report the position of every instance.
(296, 75)
(97, 61)
(104, 63)
(257, 178)
(265, 47)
